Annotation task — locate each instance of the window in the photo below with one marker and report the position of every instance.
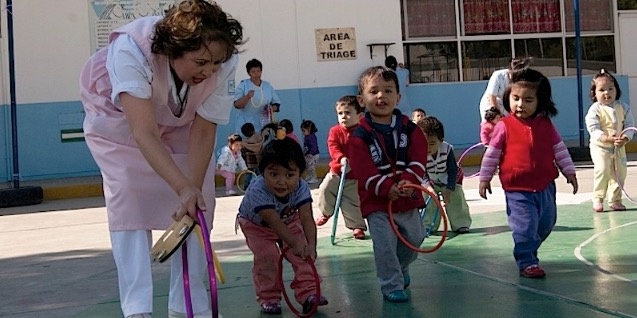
(595, 15)
(597, 52)
(627, 4)
(481, 58)
(493, 31)
(536, 16)
(547, 54)
(486, 17)
(430, 18)
(433, 62)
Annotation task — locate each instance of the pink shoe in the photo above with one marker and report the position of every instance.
(533, 271)
(359, 234)
(618, 206)
(598, 207)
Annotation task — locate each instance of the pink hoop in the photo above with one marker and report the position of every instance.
(464, 153)
(211, 270)
(619, 182)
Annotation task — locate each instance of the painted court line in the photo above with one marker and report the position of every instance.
(536, 291)
(578, 253)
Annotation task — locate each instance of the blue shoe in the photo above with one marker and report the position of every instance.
(397, 296)
(406, 281)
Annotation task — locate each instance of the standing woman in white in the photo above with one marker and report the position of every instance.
(153, 99)
(498, 82)
(255, 99)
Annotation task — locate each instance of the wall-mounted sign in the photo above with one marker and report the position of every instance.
(107, 15)
(335, 44)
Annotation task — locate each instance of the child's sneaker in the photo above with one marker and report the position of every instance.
(231, 192)
(397, 296)
(321, 220)
(598, 207)
(271, 307)
(310, 301)
(618, 206)
(463, 230)
(359, 234)
(406, 281)
(533, 271)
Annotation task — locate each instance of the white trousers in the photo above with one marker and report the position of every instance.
(131, 250)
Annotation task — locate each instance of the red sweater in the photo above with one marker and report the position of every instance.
(338, 145)
(373, 187)
(528, 159)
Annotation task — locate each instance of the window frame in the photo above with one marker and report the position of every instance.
(459, 37)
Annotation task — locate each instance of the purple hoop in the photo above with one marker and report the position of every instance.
(464, 153)
(211, 270)
(619, 182)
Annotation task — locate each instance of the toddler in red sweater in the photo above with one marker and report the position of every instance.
(527, 148)
(387, 151)
(349, 112)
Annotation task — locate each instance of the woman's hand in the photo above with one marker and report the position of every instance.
(190, 199)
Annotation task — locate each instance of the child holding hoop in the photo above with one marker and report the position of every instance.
(606, 119)
(251, 151)
(349, 112)
(229, 160)
(277, 207)
(387, 151)
(442, 169)
(527, 148)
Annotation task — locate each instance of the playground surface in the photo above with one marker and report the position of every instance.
(55, 261)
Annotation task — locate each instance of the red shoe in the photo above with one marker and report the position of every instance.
(359, 234)
(618, 206)
(321, 220)
(533, 271)
(598, 207)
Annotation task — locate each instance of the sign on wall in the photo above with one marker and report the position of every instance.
(107, 15)
(335, 44)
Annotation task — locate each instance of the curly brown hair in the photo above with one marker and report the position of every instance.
(191, 24)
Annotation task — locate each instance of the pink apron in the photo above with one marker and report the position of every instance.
(137, 198)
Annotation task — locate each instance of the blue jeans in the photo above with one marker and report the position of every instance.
(531, 216)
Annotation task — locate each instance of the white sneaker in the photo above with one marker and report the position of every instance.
(205, 314)
(231, 192)
(312, 181)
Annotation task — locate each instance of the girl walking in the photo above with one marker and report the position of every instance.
(605, 121)
(527, 148)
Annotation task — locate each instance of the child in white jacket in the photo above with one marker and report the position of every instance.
(229, 160)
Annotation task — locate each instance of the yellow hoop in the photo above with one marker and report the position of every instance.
(217, 264)
(239, 179)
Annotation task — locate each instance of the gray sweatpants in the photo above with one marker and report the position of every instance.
(391, 256)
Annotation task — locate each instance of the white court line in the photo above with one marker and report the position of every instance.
(578, 253)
